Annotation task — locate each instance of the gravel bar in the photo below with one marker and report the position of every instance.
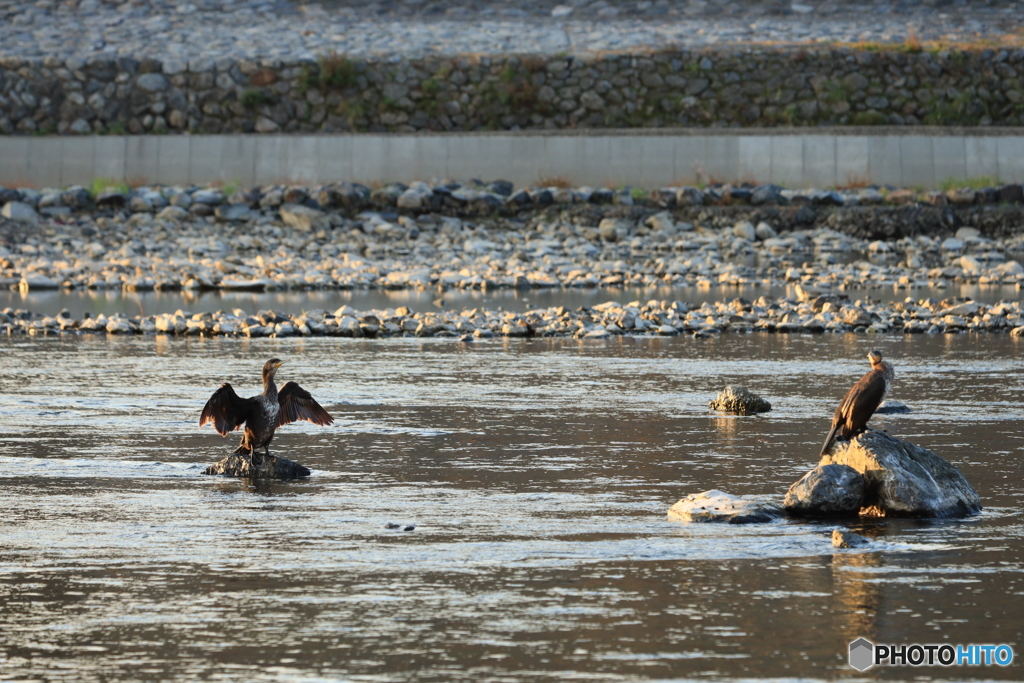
(232, 29)
(451, 236)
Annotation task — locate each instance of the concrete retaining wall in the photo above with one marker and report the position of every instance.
(643, 159)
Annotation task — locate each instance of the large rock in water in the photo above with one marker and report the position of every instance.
(270, 468)
(719, 506)
(899, 479)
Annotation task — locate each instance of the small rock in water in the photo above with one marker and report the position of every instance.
(273, 467)
(719, 506)
(392, 525)
(740, 401)
(847, 539)
(892, 408)
(410, 527)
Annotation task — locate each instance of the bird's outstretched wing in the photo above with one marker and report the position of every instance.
(297, 404)
(226, 410)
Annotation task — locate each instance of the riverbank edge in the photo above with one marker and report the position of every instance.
(814, 312)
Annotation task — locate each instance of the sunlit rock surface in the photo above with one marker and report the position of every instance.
(719, 506)
(740, 401)
(900, 479)
(847, 539)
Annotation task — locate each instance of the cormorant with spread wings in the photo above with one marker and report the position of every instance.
(261, 414)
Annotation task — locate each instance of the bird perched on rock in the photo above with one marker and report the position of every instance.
(859, 404)
(261, 414)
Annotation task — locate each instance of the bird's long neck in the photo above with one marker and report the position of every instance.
(269, 387)
(888, 373)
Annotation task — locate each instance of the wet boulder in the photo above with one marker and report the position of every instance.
(847, 539)
(719, 506)
(900, 479)
(268, 468)
(739, 401)
(892, 408)
(826, 490)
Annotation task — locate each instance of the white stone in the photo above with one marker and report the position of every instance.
(172, 213)
(303, 218)
(745, 230)
(19, 211)
(719, 506)
(765, 231)
(37, 281)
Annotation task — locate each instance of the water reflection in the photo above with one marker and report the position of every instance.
(149, 303)
(537, 475)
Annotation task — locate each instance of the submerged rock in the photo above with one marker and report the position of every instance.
(826, 490)
(273, 468)
(892, 408)
(899, 479)
(847, 539)
(719, 506)
(740, 401)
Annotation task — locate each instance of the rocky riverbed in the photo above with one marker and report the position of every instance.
(492, 236)
(489, 236)
(822, 313)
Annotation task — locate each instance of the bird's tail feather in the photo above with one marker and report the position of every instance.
(828, 439)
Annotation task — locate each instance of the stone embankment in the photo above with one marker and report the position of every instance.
(711, 87)
(93, 66)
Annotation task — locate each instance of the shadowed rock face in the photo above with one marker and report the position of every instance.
(826, 490)
(899, 479)
(719, 506)
(273, 468)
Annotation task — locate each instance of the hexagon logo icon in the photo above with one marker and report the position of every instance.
(862, 654)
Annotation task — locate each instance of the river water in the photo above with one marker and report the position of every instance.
(51, 302)
(537, 474)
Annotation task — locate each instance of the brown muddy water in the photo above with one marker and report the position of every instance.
(537, 474)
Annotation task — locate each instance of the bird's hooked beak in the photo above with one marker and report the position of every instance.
(278, 364)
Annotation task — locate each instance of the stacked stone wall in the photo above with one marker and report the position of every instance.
(725, 88)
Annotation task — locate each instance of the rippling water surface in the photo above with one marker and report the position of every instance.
(537, 475)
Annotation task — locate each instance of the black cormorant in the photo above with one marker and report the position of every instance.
(861, 401)
(261, 414)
